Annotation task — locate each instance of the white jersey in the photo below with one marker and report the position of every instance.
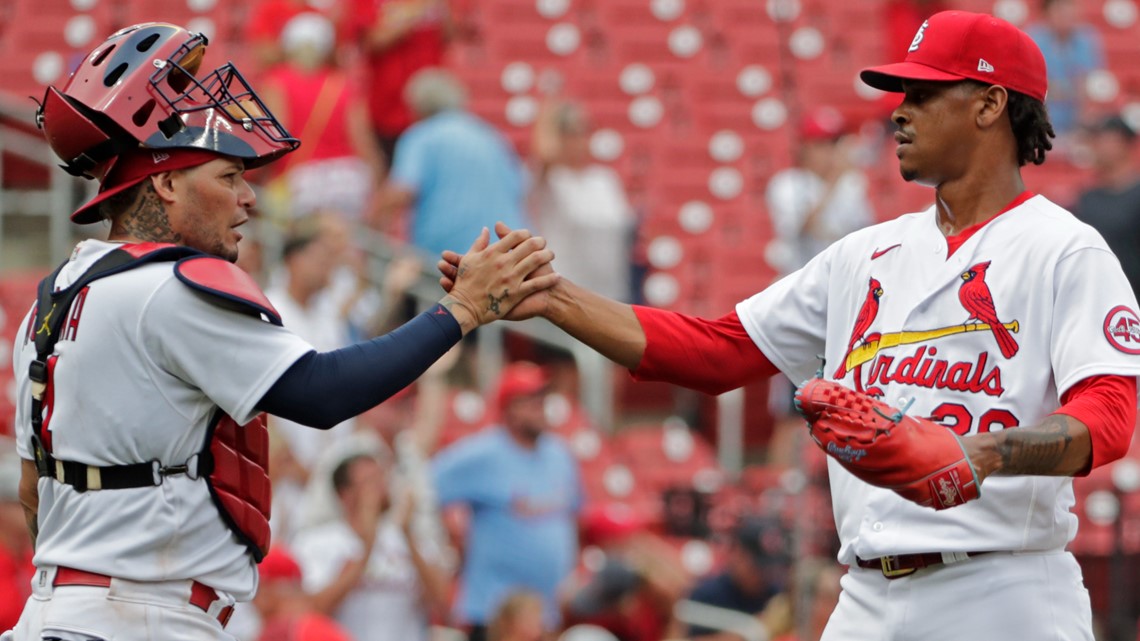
(894, 316)
(142, 364)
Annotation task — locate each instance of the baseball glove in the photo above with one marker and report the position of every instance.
(920, 460)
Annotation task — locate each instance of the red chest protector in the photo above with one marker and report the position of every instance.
(233, 461)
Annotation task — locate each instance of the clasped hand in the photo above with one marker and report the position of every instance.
(491, 279)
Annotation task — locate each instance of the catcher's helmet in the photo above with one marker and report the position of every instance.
(141, 88)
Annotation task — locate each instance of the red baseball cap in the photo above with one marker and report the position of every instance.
(520, 379)
(822, 123)
(279, 565)
(132, 167)
(958, 45)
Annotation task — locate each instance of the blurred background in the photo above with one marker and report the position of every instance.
(676, 153)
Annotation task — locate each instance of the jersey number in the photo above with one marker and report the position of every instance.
(958, 418)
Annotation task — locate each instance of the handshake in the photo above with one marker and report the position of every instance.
(507, 279)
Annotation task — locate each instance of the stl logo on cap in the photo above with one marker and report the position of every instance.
(918, 36)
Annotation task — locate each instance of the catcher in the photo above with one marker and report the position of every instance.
(146, 362)
(994, 313)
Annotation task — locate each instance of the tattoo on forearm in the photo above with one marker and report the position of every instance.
(1038, 450)
(146, 220)
(493, 306)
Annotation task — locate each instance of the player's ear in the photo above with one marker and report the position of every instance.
(992, 103)
(164, 186)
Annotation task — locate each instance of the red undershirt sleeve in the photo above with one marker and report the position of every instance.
(1107, 405)
(710, 356)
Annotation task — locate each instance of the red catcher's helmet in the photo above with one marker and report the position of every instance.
(141, 87)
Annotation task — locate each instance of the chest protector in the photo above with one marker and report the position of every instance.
(234, 459)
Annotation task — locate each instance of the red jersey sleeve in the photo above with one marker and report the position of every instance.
(711, 356)
(1107, 405)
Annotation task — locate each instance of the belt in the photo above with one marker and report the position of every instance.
(897, 566)
(201, 595)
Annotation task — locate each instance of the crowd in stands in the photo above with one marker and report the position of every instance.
(494, 518)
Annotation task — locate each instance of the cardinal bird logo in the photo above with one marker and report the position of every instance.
(867, 314)
(976, 298)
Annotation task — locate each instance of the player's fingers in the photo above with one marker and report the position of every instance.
(533, 261)
(451, 257)
(538, 283)
(511, 240)
(501, 229)
(446, 283)
(527, 248)
(481, 241)
(447, 269)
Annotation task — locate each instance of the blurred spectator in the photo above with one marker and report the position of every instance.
(817, 202)
(753, 581)
(634, 593)
(1072, 50)
(251, 251)
(267, 19)
(15, 545)
(367, 312)
(409, 425)
(820, 592)
(366, 568)
(456, 172)
(397, 38)
(522, 487)
(300, 296)
(518, 618)
(822, 199)
(1112, 205)
(339, 161)
(285, 610)
(580, 206)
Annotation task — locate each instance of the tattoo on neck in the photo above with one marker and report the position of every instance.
(1038, 450)
(493, 305)
(146, 220)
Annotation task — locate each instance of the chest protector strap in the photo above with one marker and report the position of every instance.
(234, 459)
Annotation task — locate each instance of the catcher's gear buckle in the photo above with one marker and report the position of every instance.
(892, 572)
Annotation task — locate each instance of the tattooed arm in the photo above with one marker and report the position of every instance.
(1058, 446)
(1093, 427)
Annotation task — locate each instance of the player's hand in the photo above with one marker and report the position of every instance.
(533, 305)
(492, 278)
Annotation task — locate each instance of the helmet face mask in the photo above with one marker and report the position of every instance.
(141, 87)
(218, 111)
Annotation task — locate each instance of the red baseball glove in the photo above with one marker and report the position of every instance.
(920, 460)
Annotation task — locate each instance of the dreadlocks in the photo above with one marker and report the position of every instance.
(1031, 128)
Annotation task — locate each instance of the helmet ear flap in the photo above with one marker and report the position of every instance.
(83, 145)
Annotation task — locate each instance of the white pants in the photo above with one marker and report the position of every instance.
(126, 611)
(993, 597)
